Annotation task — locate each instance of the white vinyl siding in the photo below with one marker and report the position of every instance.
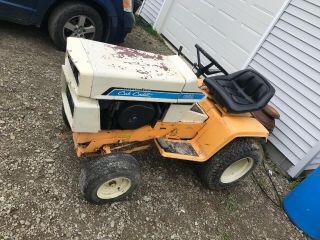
(290, 58)
(150, 10)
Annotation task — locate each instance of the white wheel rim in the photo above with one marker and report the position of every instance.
(237, 170)
(114, 188)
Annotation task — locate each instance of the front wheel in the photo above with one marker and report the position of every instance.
(232, 163)
(110, 178)
(74, 19)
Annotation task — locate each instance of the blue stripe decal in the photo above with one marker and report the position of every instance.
(154, 94)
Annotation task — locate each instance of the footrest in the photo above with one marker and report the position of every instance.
(182, 148)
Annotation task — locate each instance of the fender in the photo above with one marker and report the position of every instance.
(221, 128)
(107, 7)
(111, 9)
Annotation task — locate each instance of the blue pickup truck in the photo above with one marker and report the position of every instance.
(102, 20)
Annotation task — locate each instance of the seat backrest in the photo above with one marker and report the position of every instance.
(252, 84)
(242, 91)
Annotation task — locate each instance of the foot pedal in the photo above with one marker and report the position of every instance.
(183, 148)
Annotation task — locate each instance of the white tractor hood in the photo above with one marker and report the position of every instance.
(112, 72)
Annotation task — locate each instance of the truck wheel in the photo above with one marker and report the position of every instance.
(74, 19)
(65, 119)
(232, 163)
(110, 178)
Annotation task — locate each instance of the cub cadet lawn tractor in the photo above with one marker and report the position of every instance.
(115, 99)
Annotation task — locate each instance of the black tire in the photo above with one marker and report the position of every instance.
(66, 11)
(104, 170)
(247, 150)
(65, 119)
(136, 5)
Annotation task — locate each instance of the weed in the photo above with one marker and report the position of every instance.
(225, 237)
(232, 204)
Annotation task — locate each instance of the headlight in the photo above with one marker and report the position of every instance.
(127, 5)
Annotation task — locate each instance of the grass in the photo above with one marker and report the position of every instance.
(232, 204)
(147, 27)
(225, 237)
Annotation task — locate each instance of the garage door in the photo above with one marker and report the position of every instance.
(228, 29)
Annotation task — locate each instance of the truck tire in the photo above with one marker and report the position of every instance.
(136, 5)
(74, 19)
(232, 163)
(109, 178)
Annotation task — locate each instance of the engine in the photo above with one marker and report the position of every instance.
(130, 114)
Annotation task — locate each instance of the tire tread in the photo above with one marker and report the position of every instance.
(62, 11)
(95, 171)
(211, 171)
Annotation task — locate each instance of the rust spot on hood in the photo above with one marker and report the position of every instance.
(133, 53)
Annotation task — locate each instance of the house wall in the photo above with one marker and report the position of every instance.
(290, 58)
(150, 10)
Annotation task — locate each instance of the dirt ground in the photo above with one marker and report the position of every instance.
(39, 194)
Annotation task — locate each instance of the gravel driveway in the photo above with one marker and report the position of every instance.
(39, 195)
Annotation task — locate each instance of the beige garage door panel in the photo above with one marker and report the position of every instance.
(228, 29)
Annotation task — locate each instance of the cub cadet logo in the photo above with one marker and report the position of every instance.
(134, 93)
(159, 95)
(187, 96)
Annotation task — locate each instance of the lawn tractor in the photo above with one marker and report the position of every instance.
(117, 99)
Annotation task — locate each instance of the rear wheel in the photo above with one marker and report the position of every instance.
(232, 163)
(110, 178)
(74, 19)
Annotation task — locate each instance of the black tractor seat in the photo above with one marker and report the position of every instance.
(239, 92)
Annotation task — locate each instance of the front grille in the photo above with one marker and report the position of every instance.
(74, 70)
(70, 100)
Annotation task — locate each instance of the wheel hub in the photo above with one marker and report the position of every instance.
(237, 170)
(114, 188)
(79, 26)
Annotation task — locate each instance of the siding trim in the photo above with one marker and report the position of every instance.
(295, 171)
(162, 15)
(267, 32)
(150, 10)
(159, 13)
(140, 9)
